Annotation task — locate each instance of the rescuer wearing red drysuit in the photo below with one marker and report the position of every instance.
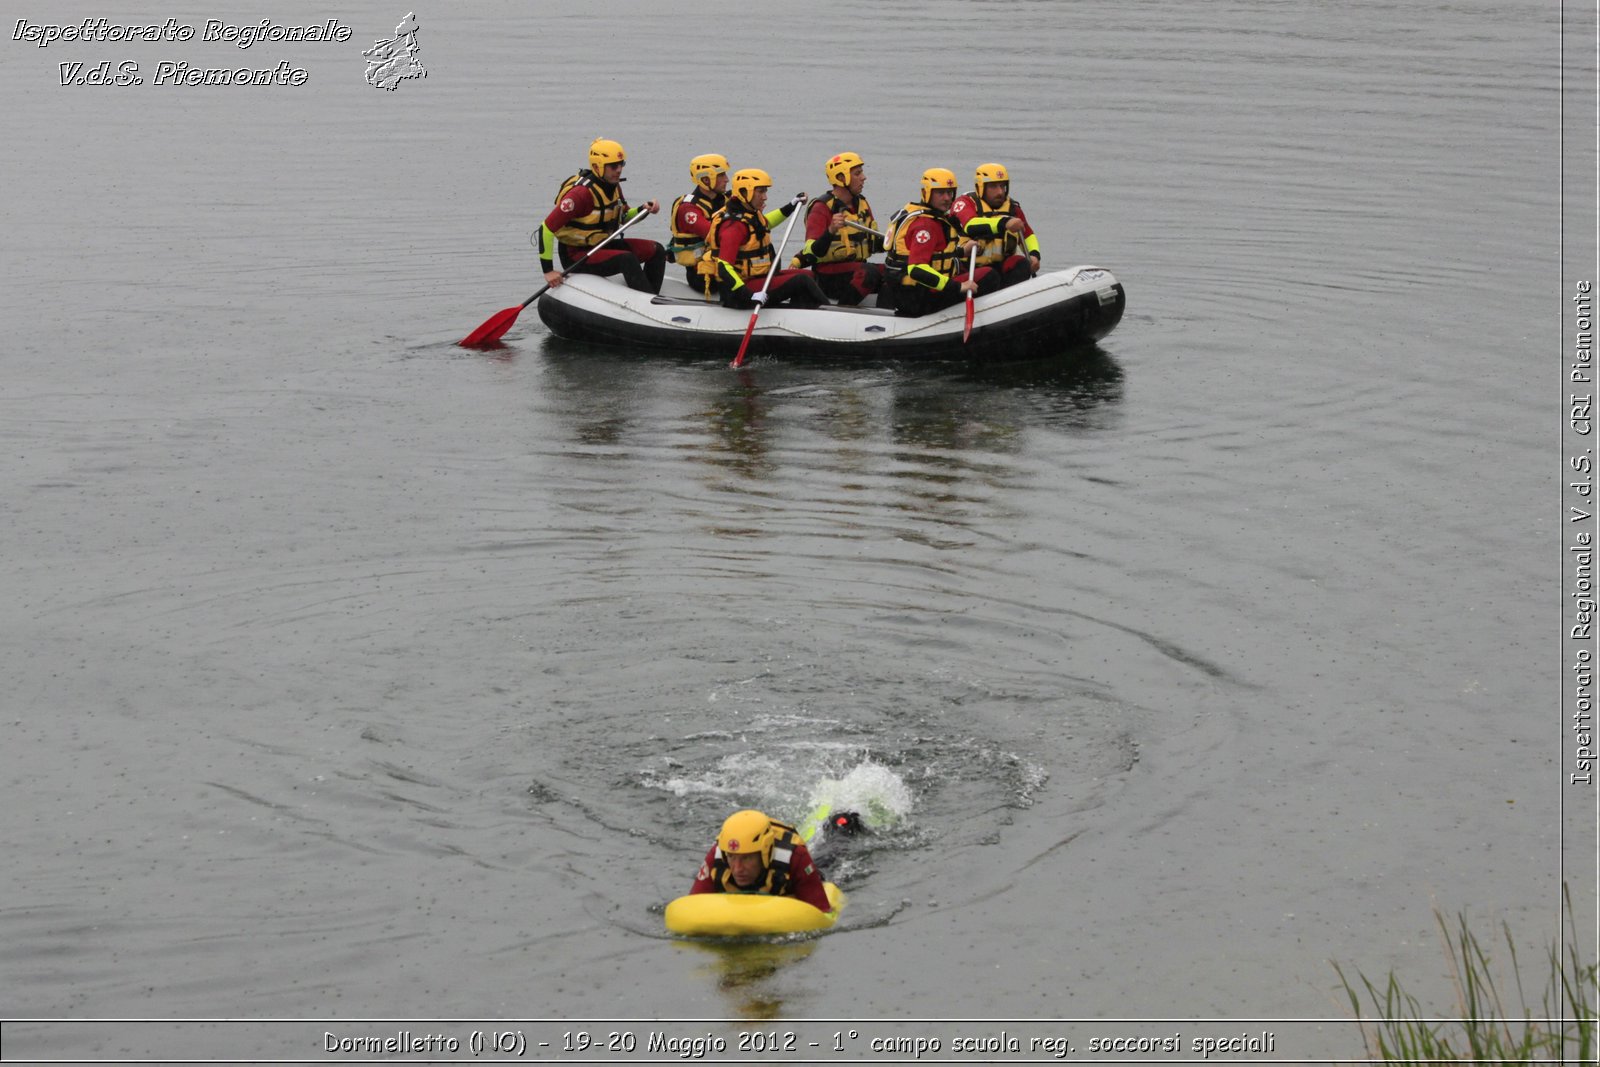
(835, 250)
(927, 261)
(590, 206)
(690, 217)
(739, 250)
(990, 216)
(755, 854)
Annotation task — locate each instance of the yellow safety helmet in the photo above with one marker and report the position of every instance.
(987, 173)
(747, 181)
(747, 832)
(936, 178)
(605, 151)
(837, 170)
(704, 169)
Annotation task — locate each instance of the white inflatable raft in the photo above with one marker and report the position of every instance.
(1035, 319)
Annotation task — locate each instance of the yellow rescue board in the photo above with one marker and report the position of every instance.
(743, 914)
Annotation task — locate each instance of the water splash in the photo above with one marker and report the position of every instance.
(871, 790)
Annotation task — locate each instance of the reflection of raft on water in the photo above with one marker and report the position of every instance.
(745, 914)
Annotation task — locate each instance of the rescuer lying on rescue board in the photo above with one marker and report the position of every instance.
(754, 853)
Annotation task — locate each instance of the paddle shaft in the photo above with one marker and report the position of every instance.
(972, 270)
(612, 236)
(501, 321)
(738, 360)
(863, 227)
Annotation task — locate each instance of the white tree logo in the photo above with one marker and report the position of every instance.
(391, 62)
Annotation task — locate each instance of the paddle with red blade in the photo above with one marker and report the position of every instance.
(497, 324)
(972, 271)
(738, 361)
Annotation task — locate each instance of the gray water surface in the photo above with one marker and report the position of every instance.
(349, 673)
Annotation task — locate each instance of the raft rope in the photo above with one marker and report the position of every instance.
(995, 300)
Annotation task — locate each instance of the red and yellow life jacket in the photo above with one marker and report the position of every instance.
(849, 244)
(944, 259)
(755, 254)
(607, 214)
(994, 250)
(688, 247)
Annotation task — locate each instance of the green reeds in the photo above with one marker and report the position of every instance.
(1485, 1032)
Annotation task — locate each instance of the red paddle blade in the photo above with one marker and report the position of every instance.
(966, 333)
(493, 328)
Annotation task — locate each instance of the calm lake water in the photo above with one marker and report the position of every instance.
(349, 674)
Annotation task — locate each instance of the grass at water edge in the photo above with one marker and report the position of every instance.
(1484, 1031)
